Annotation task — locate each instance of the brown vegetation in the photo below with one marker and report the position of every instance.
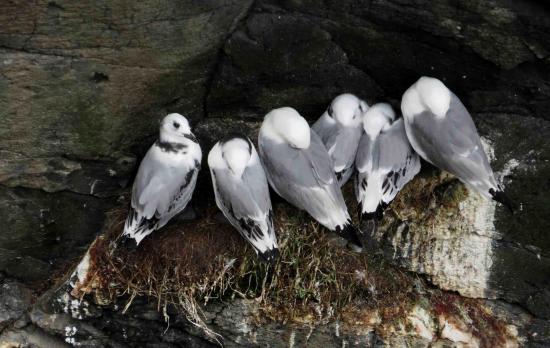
(315, 279)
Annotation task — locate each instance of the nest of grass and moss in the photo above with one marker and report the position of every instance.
(316, 278)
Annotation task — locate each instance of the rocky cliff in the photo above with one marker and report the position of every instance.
(83, 85)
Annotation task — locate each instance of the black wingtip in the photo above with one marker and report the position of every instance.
(502, 198)
(378, 214)
(127, 243)
(349, 232)
(270, 256)
(380, 211)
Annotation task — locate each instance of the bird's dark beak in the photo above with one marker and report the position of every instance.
(191, 137)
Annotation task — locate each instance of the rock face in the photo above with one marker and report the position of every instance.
(479, 249)
(240, 324)
(82, 85)
(302, 53)
(15, 300)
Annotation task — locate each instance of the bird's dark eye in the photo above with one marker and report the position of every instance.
(329, 111)
(177, 125)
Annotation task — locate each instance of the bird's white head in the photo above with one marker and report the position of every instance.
(427, 94)
(175, 128)
(286, 125)
(347, 110)
(236, 151)
(378, 117)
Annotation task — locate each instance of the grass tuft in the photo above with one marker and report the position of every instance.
(191, 264)
(316, 278)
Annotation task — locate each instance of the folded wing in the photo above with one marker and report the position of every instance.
(246, 204)
(305, 178)
(159, 193)
(453, 144)
(398, 163)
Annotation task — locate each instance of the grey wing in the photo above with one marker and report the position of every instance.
(245, 198)
(396, 159)
(234, 197)
(340, 142)
(453, 144)
(152, 185)
(342, 147)
(141, 220)
(319, 160)
(322, 167)
(324, 127)
(162, 191)
(305, 178)
(363, 158)
(247, 205)
(364, 161)
(254, 176)
(307, 168)
(181, 196)
(159, 192)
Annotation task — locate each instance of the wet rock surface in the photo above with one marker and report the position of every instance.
(15, 300)
(43, 231)
(450, 323)
(302, 53)
(475, 246)
(82, 86)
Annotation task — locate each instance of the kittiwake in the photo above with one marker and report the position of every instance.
(165, 180)
(442, 132)
(340, 128)
(385, 162)
(299, 169)
(242, 193)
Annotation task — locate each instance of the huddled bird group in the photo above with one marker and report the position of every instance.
(307, 166)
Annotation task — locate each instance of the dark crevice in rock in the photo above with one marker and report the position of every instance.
(37, 52)
(57, 53)
(99, 77)
(52, 5)
(238, 21)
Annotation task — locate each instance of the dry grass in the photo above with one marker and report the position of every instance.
(193, 263)
(316, 279)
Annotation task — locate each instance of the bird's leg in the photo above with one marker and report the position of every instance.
(188, 214)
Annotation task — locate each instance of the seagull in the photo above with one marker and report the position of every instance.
(242, 193)
(340, 129)
(165, 180)
(300, 170)
(442, 132)
(385, 163)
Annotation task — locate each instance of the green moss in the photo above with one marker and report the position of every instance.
(315, 278)
(87, 119)
(76, 109)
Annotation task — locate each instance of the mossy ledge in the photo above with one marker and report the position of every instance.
(317, 280)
